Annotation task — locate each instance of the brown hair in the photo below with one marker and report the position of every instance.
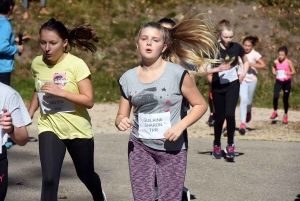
(79, 36)
(252, 39)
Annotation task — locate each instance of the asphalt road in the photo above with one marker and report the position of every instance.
(262, 170)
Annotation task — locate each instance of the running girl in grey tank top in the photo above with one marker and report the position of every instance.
(155, 90)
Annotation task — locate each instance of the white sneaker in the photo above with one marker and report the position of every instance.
(104, 195)
(186, 196)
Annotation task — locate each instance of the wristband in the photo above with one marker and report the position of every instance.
(13, 129)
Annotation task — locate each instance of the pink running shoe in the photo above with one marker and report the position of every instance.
(242, 129)
(248, 117)
(217, 153)
(285, 119)
(229, 151)
(274, 115)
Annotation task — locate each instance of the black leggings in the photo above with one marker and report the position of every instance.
(52, 153)
(286, 88)
(5, 78)
(225, 102)
(3, 173)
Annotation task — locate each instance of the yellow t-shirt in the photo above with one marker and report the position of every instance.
(67, 73)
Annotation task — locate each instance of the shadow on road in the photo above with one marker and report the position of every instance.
(237, 154)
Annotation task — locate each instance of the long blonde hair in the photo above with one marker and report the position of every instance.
(192, 40)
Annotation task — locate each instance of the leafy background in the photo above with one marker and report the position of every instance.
(275, 22)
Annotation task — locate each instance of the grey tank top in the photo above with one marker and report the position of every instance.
(159, 96)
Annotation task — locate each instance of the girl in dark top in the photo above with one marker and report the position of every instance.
(225, 88)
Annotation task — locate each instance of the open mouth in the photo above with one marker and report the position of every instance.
(148, 50)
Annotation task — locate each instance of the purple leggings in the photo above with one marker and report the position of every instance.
(145, 163)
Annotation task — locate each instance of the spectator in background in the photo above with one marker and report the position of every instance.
(7, 41)
(43, 10)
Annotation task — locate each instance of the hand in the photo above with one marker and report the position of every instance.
(6, 121)
(224, 66)
(173, 133)
(26, 38)
(124, 124)
(52, 88)
(20, 48)
(241, 78)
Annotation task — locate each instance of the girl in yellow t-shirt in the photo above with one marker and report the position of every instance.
(64, 92)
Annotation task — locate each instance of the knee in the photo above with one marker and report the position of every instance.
(230, 116)
(88, 178)
(49, 182)
(244, 101)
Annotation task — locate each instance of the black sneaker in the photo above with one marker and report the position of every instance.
(186, 196)
(210, 121)
(224, 132)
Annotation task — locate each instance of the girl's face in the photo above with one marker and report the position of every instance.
(53, 46)
(281, 55)
(151, 43)
(226, 37)
(247, 46)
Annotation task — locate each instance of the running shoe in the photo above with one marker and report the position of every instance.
(8, 145)
(210, 121)
(285, 119)
(224, 132)
(248, 117)
(186, 196)
(242, 129)
(217, 153)
(104, 196)
(274, 115)
(230, 151)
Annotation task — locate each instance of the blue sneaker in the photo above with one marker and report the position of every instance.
(217, 153)
(8, 145)
(230, 151)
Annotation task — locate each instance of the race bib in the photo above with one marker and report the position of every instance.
(53, 104)
(228, 76)
(280, 74)
(153, 126)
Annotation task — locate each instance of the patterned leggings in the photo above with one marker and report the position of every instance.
(169, 168)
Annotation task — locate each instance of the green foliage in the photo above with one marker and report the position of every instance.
(117, 23)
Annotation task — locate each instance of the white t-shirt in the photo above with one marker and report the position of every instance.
(253, 57)
(12, 101)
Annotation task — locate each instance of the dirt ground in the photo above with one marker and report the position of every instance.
(259, 128)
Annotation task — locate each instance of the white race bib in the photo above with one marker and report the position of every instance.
(228, 76)
(280, 74)
(53, 104)
(153, 126)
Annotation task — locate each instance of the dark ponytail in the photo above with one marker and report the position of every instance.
(79, 36)
(252, 39)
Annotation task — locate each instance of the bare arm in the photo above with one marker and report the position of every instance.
(122, 121)
(34, 104)
(274, 68)
(18, 134)
(191, 93)
(85, 98)
(260, 64)
(293, 71)
(246, 68)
